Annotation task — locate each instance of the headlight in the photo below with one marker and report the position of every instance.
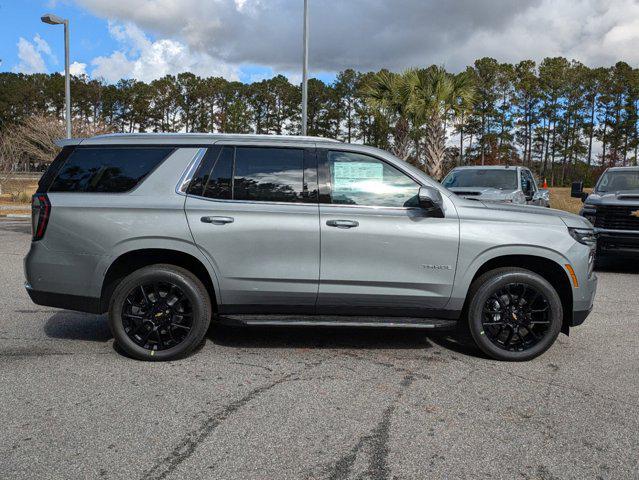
(586, 236)
(519, 198)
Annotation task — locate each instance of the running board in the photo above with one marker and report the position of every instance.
(336, 321)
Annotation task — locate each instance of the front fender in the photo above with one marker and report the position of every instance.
(466, 270)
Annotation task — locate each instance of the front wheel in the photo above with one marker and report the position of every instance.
(160, 312)
(514, 314)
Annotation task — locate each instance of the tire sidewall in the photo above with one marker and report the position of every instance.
(487, 285)
(192, 289)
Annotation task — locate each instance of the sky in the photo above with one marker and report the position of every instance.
(250, 40)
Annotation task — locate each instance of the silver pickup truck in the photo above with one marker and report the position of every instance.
(504, 184)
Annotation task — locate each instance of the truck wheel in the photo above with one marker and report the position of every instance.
(514, 314)
(160, 312)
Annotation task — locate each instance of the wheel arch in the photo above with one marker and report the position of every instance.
(131, 260)
(549, 269)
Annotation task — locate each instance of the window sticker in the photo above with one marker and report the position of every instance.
(351, 176)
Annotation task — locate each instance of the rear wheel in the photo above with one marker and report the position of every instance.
(160, 312)
(514, 314)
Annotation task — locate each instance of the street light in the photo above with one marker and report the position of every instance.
(305, 72)
(52, 19)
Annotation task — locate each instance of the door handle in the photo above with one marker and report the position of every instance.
(217, 220)
(342, 223)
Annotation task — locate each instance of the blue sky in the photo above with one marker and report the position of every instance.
(91, 38)
(250, 40)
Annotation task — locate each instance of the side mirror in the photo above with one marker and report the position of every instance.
(577, 190)
(527, 189)
(430, 199)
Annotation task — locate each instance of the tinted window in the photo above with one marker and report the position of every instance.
(49, 175)
(490, 177)
(362, 180)
(269, 174)
(107, 170)
(219, 184)
(201, 177)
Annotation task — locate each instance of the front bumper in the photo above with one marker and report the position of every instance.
(618, 242)
(579, 317)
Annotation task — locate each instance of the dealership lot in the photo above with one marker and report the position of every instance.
(314, 404)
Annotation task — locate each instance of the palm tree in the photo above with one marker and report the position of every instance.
(436, 97)
(389, 93)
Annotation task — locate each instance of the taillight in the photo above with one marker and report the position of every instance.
(40, 212)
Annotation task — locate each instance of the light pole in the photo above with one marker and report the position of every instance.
(52, 19)
(305, 72)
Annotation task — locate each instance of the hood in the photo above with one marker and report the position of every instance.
(520, 214)
(483, 193)
(543, 214)
(622, 197)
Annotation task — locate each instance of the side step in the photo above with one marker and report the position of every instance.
(336, 321)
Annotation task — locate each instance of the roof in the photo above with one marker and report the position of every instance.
(488, 167)
(623, 169)
(187, 138)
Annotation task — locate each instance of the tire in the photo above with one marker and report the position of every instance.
(504, 300)
(159, 312)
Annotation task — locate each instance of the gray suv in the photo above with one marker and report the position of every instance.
(169, 232)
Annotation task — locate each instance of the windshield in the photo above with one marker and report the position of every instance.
(492, 178)
(619, 180)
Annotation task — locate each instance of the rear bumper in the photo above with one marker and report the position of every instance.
(618, 242)
(67, 302)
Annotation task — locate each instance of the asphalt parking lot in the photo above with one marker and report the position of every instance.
(314, 404)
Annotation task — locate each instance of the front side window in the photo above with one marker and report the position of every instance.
(107, 170)
(527, 181)
(358, 179)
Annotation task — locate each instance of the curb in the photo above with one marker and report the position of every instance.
(16, 215)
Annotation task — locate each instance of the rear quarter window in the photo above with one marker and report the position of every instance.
(107, 170)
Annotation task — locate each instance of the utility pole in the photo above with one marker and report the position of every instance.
(305, 72)
(52, 19)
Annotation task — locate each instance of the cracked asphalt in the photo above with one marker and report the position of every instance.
(314, 404)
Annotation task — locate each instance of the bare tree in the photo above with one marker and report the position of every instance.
(33, 143)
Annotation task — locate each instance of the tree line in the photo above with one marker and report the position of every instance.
(562, 118)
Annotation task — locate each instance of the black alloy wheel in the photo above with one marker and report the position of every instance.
(514, 314)
(516, 317)
(157, 315)
(159, 312)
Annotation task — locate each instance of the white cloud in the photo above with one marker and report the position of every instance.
(78, 69)
(31, 60)
(30, 55)
(371, 34)
(146, 60)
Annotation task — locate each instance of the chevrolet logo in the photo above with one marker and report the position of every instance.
(635, 213)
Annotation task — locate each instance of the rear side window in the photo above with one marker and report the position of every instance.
(47, 178)
(269, 174)
(264, 174)
(107, 170)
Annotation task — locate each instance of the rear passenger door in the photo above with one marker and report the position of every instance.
(253, 211)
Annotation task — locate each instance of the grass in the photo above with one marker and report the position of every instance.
(18, 192)
(561, 200)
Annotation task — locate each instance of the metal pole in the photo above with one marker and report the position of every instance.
(67, 79)
(305, 72)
